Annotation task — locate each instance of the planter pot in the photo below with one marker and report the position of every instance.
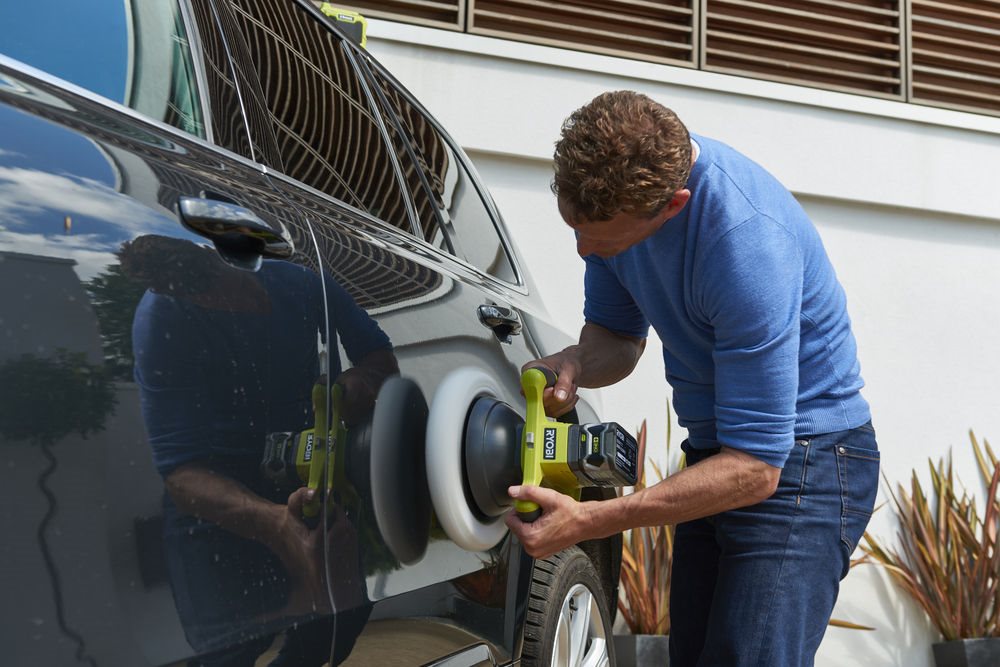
(641, 650)
(968, 653)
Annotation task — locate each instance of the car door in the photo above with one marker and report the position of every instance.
(393, 206)
(164, 319)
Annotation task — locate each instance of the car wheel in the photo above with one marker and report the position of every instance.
(568, 622)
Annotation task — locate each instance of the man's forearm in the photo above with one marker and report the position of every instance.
(726, 481)
(199, 491)
(604, 357)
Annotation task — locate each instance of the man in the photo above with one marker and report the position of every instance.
(685, 234)
(222, 358)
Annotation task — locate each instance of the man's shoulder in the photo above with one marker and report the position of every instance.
(729, 190)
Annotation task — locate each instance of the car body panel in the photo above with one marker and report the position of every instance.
(140, 322)
(76, 199)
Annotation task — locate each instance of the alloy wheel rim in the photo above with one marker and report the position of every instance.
(580, 640)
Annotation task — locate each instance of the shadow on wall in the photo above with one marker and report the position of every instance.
(898, 223)
(902, 634)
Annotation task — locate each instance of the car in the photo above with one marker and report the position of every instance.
(253, 295)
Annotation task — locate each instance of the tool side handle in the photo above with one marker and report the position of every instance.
(527, 511)
(548, 373)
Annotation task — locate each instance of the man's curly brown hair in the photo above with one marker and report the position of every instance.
(620, 153)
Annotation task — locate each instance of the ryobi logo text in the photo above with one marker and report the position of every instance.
(308, 453)
(549, 445)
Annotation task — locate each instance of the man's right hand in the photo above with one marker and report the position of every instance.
(293, 540)
(561, 397)
(600, 358)
(300, 549)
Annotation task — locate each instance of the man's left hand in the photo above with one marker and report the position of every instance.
(563, 523)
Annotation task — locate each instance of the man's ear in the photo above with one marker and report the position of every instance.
(679, 201)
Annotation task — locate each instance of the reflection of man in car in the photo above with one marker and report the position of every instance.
(222, 358)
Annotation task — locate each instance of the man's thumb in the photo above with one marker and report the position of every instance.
(527, 492)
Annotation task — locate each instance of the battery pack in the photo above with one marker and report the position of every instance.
(608, 455)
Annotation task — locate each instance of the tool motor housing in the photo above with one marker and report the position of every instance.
(568, 457)
(607, 455)
(288, 456)
(573, 456)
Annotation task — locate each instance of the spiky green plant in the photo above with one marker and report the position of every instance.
(647, 555)
(948, 560)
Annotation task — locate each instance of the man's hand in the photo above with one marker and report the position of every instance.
(294, 541)
(301, 552)
(563, 523)
(561, 397)
(601, 358)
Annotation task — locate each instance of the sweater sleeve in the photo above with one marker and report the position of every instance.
(752, 299)
(171, 361)
(359, 333)
(607, 303)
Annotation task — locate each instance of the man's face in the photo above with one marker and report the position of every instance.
(607, 238)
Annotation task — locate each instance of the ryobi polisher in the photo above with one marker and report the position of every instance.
(560, 456)
(295, 459)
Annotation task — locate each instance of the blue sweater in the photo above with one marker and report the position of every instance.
(213, 383)
(757, 342)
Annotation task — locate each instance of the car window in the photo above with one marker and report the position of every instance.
(135, 53)
(457, 199)
(328, 136)
(419, 176)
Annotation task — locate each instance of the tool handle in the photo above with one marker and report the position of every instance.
(317, 467)
(534, 380)
(527, 511)
(550, 375)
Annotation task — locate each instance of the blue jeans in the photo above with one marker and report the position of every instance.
(756, 585)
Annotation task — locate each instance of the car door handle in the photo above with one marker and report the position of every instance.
(503, 321)
(236, 232)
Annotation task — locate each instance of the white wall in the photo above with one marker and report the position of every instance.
(906, 198)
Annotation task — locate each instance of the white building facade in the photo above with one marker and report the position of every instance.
(905, 197)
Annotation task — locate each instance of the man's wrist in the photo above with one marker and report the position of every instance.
(603, 518)
(268, 520)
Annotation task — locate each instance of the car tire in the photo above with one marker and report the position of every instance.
(568, 622)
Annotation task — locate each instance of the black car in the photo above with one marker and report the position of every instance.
(251, 291)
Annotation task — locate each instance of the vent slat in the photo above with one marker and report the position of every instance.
(844, 45)
(833, 54)
(955, 48)
(435, 13)
(782, 33)
(788, 67)
(641, 29)
(833, 44)
(807, 15)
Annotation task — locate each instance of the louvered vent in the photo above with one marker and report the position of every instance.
(657, 31)
(849, 45)
(437, 13)
(956, 53)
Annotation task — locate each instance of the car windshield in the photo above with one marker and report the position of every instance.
(133, 52)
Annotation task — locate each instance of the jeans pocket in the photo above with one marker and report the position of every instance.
(858, 468)
(804, 444)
